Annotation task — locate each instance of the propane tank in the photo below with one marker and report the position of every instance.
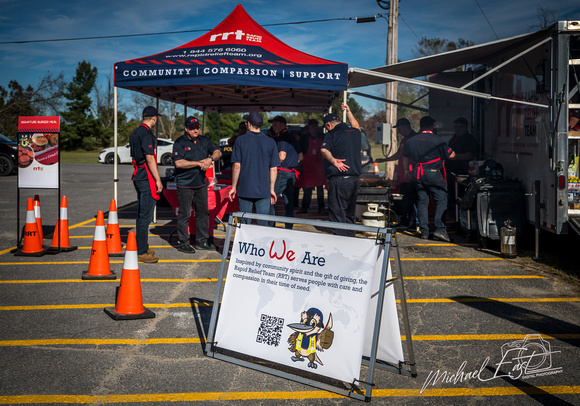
(373, 218)
(508, 240)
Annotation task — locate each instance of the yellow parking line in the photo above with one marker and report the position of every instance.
(194, 340)
(475, 277)
(498, 299)
(99, 306)
(488, 337)
(110, 262)
(104, 281)
(280, 395)
(99, 341)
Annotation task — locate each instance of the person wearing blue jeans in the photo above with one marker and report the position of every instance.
(432, 183)
(262, 207)
(424, 160)
(254, 169)
(146, 180)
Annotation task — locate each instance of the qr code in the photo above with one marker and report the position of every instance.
(270, 330)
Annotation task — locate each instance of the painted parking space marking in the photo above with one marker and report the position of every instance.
(195, 340)
(287, 395)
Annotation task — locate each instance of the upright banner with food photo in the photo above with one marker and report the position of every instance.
(298, 299)
(38, 152)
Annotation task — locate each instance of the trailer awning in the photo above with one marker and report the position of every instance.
(490, 54)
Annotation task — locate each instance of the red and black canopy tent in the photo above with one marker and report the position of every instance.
(236, 67)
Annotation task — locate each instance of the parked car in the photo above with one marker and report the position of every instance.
(8, 155)
(164, 153)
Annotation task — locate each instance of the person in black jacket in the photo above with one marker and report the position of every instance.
(425, 155)
(341, 151)
(193, 154)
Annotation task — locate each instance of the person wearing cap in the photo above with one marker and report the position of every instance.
(409, 202)
(146, 180)
(312, 175)
(424, 160)
(342, 165)
(465, 147)
(193, 154)
(290, 157)
(254, 169)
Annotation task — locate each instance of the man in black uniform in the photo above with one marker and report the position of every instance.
(342, 165)
(290, 157)
(193, 154)
(424, 160)
(146, 180)
(465, 147)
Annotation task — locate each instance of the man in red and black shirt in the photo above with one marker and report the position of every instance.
(193, 154)
(146, 180)
(424, 155)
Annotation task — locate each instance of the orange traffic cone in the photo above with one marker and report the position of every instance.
(114, 245)
(99, 267)
(129, 303)
(32, 246)
(38, 218)
(60, 241)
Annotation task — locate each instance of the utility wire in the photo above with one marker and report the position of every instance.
(408, 26)
(163, 33)
(476, 2)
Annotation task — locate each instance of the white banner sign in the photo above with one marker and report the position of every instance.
(390, 345)
(38, 152)
(298, 299)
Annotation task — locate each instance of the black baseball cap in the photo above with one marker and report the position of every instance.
(150, 111)
(426, 121)
(402, 121)
(330, 117)
(254, 118)
(461, 120)
(191, 122)
(280, 119)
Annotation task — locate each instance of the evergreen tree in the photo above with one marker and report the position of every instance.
(79, 128)
(41, 99)
(228, 125)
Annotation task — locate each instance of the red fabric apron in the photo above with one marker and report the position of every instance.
(312, 165)
(152, 184)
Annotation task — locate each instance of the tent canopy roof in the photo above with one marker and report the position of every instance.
(237, 66)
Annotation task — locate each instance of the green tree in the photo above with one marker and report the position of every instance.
(228, 125)
(80, 128)
(357, 110)
(44, 98)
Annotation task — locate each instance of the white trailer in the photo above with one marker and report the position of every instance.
(516, 94)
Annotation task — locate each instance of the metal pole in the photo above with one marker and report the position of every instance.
(391, 109)
(538, 206)
(115, 144)
(156, 136)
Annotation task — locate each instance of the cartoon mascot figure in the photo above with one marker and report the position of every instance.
(310, 336)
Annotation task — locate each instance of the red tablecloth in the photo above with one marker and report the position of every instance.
(217, 201)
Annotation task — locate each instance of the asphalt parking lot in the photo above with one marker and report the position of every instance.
(467, 308)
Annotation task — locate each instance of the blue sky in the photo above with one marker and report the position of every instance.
(359, 45)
